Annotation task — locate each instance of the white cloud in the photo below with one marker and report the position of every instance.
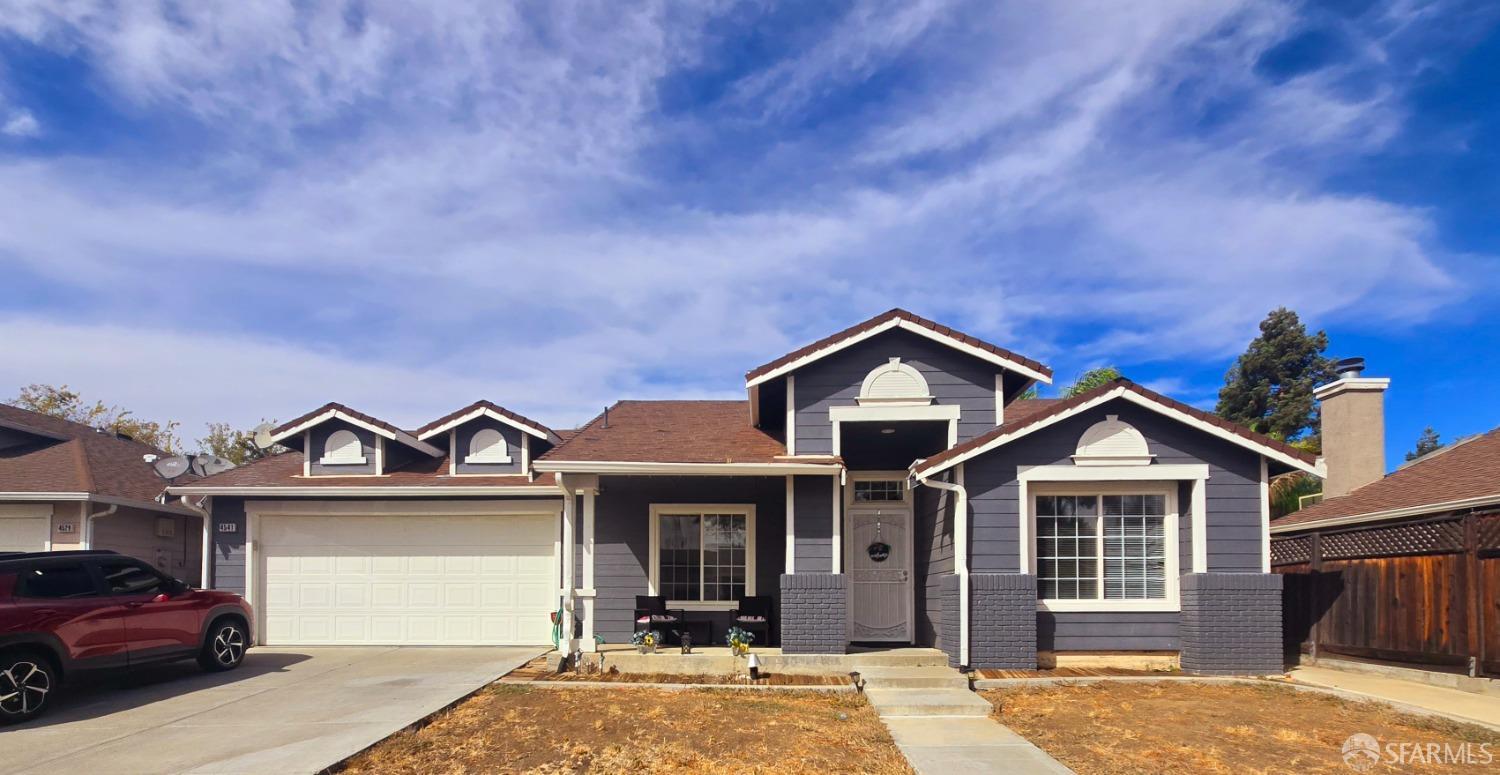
(21, 123)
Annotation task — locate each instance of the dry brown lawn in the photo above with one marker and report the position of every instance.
(1135, 727)
(517, 728)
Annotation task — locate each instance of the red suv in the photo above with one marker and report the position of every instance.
(63, 613)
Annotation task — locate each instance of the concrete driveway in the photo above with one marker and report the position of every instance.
(283, 711)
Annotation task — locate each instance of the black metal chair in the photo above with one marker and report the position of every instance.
(651, 613)
(754, 616)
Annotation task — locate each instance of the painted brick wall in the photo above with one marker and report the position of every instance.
(1231, 623)
(814, 613)
(1002, 615)
(948, 629)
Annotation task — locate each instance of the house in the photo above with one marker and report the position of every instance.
(1402, 567)
(885, 485)
(65, 485)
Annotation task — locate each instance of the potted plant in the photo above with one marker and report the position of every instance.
(646, 641)
(739, 640)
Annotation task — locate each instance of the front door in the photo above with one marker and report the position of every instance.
(880, 573)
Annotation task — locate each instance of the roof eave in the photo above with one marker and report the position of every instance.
(1380, 516)
(484, 411)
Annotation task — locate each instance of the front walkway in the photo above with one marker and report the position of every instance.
(284, 711)
(1480, 708)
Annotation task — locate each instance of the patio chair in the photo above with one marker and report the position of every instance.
(754, 616)
(651, 614)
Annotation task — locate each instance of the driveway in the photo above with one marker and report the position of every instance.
(284, 711)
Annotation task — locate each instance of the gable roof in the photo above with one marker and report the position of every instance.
(1463, 475)
(282, 475)
(672, 432)
(1118, 389)
(73, 458)
(898, 318)
(333, 410)
(483, 408)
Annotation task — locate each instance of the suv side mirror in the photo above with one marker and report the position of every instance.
(174, 587)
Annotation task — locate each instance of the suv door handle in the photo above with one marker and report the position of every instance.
(135, 604)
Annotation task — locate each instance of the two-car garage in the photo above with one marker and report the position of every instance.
(383, 574)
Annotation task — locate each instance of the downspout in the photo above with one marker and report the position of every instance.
(960, 555)
(88, 524)
(207, 552)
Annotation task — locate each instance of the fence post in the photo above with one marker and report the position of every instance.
(1472, 613)
(1315, 592)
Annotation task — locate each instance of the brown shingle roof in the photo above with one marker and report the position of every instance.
(88, 461)
(878, 320)
(482, 404)
(1056, 407)
(1467, 471)
(672, 432)
(285, 470)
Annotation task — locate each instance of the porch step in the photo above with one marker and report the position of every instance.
(927, 702)
(913, 678)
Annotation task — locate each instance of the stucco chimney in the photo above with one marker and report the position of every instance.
(1353, 428)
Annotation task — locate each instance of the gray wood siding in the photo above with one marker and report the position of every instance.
(952, 376)
(622, 537)
(320, 436)
(933, 550)
(464, 434)
(813, 525)
(227, 570)
(1107, 631)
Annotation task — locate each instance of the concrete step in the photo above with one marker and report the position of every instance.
(927, 702)
(913, 678)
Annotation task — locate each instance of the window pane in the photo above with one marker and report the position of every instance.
(882, 490)
(680, 567)
(130, 579)
(1135, 562)
(724, 539)
(1067, 547)
(57, 582)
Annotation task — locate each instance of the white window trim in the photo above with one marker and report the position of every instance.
(1173, 599)
(653, 581)
(343, 460)
(893, 413)
(487, 457)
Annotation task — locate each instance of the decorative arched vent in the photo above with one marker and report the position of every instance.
(895, 383)
(342, 448)
(1112, 443)
(488, 446)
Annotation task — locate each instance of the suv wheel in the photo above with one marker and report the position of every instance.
(26, 682)
(225, 648)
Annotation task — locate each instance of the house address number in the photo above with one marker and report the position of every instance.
(65, 527)
(229, 527)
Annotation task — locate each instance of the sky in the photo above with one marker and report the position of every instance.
(240, 211)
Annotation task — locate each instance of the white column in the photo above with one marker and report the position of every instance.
(791, 524)
(568, 541)
(838, 523)
(1200, 526)
(588, 569)
(791, 415)
(1265, 517)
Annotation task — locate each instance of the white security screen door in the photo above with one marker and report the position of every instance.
(880, 572)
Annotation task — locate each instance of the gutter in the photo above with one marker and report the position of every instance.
(684, 469)
(960, 554)
(396, 491)
(89, 497)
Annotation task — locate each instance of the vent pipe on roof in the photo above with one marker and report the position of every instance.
(606, 417)
(1349, 367)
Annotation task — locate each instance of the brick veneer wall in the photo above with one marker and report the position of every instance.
(1231, 623)
(1002, 610)
(814, 613)
(948, 631)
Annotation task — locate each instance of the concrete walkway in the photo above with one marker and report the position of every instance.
(282, 711)
(943, 728)
(1481, 708)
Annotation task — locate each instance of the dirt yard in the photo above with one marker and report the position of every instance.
(1133, 727)
(516, 728)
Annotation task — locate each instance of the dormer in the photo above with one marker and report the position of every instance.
(484, 439)
(338, 441)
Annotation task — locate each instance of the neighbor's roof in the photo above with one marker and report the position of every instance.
(671, 432)
(1036, 415)
(894, 319)
(285, 470)
(1463, 475)
(70, 457)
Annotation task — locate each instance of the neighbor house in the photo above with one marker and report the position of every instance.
(65, 485)
(886, 485)
(1404, 566)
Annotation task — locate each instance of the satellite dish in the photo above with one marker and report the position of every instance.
(263, 435)
(171, 467)
(214, 465)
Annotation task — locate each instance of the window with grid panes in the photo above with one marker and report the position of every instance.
(702, 557)
(1101, 547)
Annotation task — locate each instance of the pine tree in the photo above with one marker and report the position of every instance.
(1091, 379)
(1270, 387)
(1429, 441)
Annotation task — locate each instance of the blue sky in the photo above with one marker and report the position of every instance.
(244, 212)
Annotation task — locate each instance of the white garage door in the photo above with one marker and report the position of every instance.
(24, 534)
(420, 580)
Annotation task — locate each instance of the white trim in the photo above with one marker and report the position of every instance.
(838, 438)
(485, 411)
(1200, 525)
(1153, 473)
(453, 454)
(1139, 400)
(588, 592)
(791, 414)
(791, 525)
(307, 452)
(1377, 516)
(1265, 518)
(334, 414)
(87, 497)
(1170, 528)
(684, 469)
(379, 456)
(526, 454)
(313, 491)
(837, 542)
(1363, 384)
(906, 325)
(999, 398)
(569, 547)
(894, 413)
(657, 510)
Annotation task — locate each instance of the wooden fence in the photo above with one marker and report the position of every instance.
(1423, 591)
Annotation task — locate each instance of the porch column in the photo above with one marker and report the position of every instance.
(791, 524)
(567, 642)
(588, 592)
(837, 544)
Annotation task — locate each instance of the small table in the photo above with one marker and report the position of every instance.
(695, 628)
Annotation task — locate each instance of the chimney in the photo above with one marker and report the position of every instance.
(1353, 428)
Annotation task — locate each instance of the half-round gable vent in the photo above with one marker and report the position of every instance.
(1112, 443)
(488, 446)
(342, 448)
(894, 383)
